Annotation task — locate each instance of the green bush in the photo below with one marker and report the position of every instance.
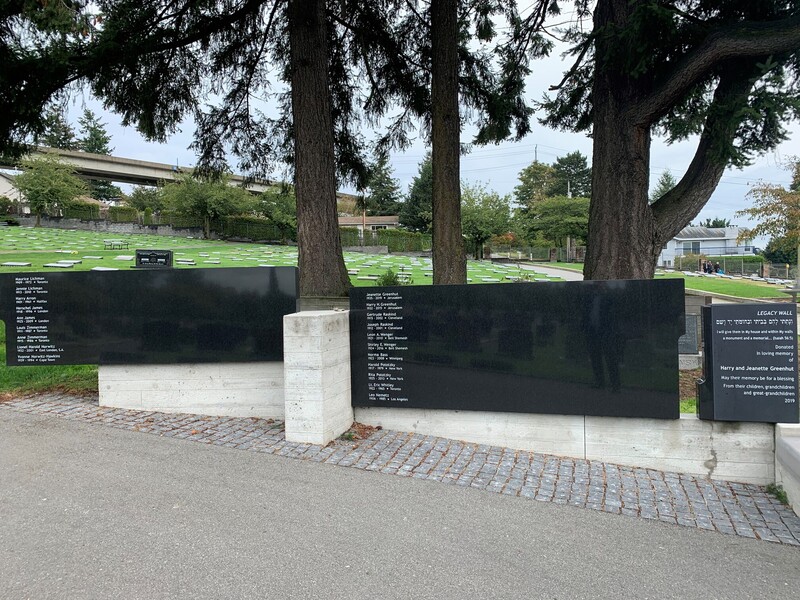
(147, 219)
(179, 221)
(399, 240)
(85, 211)
(247, 226)
(123, 214)
(6, 204)
(388, 278)
(349, 236)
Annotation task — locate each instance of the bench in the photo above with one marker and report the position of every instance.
(116, 244)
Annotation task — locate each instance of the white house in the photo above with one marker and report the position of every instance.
(7, 188)
(704, 241)
(372, 223)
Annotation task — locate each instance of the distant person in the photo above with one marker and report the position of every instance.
(717, 268)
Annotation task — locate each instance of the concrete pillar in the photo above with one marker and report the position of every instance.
(316, 345)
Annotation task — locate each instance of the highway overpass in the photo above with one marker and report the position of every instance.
(128, 170)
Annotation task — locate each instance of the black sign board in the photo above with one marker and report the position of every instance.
(606, 348)
(147, 316)
(153, 259)
(750, 363)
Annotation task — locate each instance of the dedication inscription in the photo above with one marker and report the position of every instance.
(750, 371)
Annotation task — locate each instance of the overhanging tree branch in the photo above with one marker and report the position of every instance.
(681, 204)
(741, 41)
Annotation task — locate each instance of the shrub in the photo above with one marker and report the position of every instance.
(399, 240)
(6, 204)
(388, 278)
(247, 226)
(86, 211)
(123, 214)
(349, 236)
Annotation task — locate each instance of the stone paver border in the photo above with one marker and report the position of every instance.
(727, 507)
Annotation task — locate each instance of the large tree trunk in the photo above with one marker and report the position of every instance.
(623, 242)
(622, 233)
(449, 261)
(626, 234)
(321, 263)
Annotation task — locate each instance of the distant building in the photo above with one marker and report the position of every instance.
(704, 241)
(372, 223)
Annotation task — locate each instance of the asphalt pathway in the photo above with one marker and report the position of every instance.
(92, 511)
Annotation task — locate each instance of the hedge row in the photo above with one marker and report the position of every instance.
(86, 211)
(246, 226)
(123, 214)
(396, 240)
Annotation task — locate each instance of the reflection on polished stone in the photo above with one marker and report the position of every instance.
(606, 348)
(142, 316)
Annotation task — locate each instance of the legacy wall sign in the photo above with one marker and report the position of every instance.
(163, 316)
(750, 363)
(607, 348)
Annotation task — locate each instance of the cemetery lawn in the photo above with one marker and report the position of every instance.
(72, 379)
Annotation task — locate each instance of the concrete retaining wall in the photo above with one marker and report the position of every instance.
(735, 451)
(220, 389)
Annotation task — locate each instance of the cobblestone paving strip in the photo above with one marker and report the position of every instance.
(733, 508)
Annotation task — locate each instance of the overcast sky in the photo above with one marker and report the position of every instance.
(498, 166)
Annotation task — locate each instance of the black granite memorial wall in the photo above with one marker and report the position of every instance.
(148, 316)
(749, 363)
(607, 348)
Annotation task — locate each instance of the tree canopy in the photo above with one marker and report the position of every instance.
(725, 72)
(776, 210)
(416, 213)
(384, 196)
(205, 200)
(48, 185)
(484, 214)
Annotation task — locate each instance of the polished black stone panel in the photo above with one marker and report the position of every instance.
(749, 363)
(606, 348)
(147, 316)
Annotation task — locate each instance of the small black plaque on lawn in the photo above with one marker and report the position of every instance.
(749, 363)
(153, 259)
(605, 348)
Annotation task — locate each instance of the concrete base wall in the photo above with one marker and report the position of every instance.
(736, 451)
(223, 389)
(787, 462)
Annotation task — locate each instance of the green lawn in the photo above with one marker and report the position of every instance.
(730, 287)
(40, 247)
